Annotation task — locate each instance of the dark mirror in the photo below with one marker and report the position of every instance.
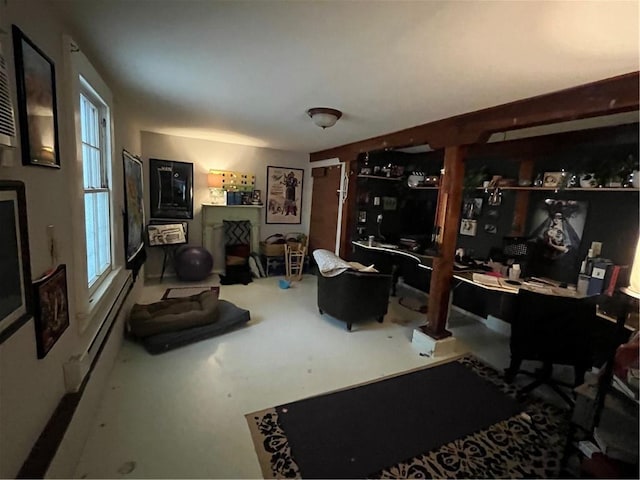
(171, 187)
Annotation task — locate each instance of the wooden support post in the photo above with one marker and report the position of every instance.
(447, 224)
(522, 200)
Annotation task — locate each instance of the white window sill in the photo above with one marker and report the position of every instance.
(101, 302)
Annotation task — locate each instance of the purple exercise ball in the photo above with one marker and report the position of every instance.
(193, 263)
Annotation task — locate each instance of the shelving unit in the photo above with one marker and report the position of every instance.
(380, 177)
(572, 189)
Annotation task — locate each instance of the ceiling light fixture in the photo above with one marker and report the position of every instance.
(324, 117)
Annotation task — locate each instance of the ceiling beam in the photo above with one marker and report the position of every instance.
(605, 97)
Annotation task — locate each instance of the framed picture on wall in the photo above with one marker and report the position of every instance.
(171, 189)
(37, 109)
(284, 195)
(15, 267)
(51, 309)
(133, 207)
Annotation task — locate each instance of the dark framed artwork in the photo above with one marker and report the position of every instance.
(171, 189)
(557, 227)
(284, 195)
(51, 310)
(15, 268)
(37, 106)
(134, 210)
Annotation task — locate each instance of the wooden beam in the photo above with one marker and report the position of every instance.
(605, 97)
(448, 220)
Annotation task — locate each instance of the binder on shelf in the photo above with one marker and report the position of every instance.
(596, 282)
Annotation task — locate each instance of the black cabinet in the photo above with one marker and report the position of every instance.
(387, 207)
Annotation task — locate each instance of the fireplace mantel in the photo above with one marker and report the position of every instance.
(213, 234)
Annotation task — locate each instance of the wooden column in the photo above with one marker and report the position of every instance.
(447, 223)
(522, 200)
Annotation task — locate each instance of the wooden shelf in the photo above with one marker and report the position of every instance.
(424, 188)
(232, 206)
(575, 189)
(379, 177)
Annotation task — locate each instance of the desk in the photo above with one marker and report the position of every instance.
(469, 294)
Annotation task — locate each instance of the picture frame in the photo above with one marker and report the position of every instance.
(161, 234)
(51, 312)
(171, 189)
(134, 224)
(468, 227)
(16, 300)
(284, 195)
(37, 103)
(472, 208)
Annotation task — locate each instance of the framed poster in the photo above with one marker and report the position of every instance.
(51, 309)
(161, 234)
(37, 110)
(284, 195)
(171, 189)
(15, 267)
(134, 207)
(558, 225)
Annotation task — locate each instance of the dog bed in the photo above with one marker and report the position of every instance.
(172, 323)
(173, 314)
(229, 317)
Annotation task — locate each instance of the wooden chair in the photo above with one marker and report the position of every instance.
(294, 256)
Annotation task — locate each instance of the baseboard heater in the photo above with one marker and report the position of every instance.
(78, 366)
(78, 370)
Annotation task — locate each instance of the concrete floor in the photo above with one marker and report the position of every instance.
(181, 414)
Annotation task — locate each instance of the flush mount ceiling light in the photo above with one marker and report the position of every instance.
(324, 117)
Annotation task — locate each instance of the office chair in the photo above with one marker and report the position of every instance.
(553, 330)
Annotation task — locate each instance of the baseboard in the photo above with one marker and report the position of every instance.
(60, 445)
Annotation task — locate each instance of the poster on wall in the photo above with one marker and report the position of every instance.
(134, 210)
(558, 226)
(171, 189)
(284, 195)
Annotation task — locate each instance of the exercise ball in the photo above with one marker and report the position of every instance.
(192, 263)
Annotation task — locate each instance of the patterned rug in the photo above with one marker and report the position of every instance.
(527, 445)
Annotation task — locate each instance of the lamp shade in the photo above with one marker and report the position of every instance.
(634, 280)
(215, 179)
(324, 117)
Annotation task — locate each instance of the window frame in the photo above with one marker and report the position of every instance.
(92, 305)
(104, 117)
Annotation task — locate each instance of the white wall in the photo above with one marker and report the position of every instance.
(205, 155)
(30, 389)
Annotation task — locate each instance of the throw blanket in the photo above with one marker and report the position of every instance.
(330, 265)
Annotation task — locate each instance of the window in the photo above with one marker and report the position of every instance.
(96, 178)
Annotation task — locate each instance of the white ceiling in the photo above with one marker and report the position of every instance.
(246, 71)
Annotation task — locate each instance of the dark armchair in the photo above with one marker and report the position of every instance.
(350, 295)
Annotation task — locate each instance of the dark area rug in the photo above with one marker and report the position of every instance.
(454, 420)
